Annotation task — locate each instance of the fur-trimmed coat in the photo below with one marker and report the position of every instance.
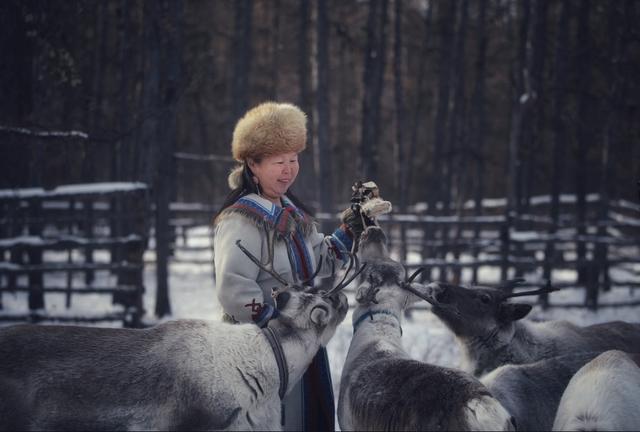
(239, 282)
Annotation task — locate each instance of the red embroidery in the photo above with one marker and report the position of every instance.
(256, 308)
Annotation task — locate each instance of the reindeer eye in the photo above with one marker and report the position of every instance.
(485, 298)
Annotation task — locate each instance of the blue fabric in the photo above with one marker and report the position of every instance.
(319, 405)
(267, 313)
(342, 243)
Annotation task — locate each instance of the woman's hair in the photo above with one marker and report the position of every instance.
(248, 186)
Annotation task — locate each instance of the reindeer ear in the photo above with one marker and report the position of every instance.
(508, 312)
(320, 316)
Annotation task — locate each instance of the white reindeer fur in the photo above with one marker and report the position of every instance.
(603, 395)
(377, 343)
(199, 365)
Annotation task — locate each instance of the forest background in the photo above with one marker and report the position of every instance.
(437, 101)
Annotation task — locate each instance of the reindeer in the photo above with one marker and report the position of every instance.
(531, 392)
(603, 395)
(492, 333)
(183, 374)
(381, 386)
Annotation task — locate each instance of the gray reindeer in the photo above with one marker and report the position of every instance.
(604, 395)
(531, 392)
(381, 387)
(183, 374)
(492, 333)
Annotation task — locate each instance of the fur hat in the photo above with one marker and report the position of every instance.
(270, 128)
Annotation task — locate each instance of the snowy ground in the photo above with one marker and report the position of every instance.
(425, 338)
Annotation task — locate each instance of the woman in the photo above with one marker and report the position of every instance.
(266, 141)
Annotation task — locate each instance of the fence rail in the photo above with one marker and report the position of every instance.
(83, 230)
(452, 245)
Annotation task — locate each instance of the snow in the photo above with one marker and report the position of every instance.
(193, 295)
(424, 337)
(60, 191)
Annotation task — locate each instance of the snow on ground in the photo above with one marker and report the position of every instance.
(425, 338)
(193, 295)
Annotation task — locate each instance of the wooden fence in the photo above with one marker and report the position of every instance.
(457, 247)
(73, 241)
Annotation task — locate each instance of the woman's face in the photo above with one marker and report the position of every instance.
(275, 174)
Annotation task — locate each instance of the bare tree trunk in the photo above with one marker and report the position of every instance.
(401, 164)
(582, 76)
(420, 99)
(167, 133)
(275, 48)
(457, 138)
(560, 137)
(374, 66)
(447, 21)
(94, 110)
(478, 125)
(436, 191)
(123, 169)
(323, 169)
(521, 107)
(306, 181)
(242, 55)
(534, 123)
(618, 36)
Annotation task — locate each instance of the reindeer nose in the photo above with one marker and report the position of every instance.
(438, 293)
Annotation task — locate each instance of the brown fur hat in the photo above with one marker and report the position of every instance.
(268, 129)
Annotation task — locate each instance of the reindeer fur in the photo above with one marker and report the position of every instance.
(602, 396)
(382, 388)
(184, 374)
(491, 332)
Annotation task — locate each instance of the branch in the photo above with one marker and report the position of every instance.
(44, 134)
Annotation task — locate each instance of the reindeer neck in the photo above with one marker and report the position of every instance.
(381, 319)
(521, 345)
(299, 347)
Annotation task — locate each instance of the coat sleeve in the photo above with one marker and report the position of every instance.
(235, 273)
(333, 248)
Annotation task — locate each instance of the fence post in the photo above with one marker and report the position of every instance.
(88, 233)
(36, 292)
(504, 249)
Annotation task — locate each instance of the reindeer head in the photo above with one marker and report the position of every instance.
(384, 280)
(477, 311)
(299, 304)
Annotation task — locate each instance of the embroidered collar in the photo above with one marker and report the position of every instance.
(286, 219)
(278, 352)
(369, 314)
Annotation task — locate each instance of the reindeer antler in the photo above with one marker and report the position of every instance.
(415, 274)
(511, 284)
(344, 282)
(268, 265)
(546, 289)
(407, 284)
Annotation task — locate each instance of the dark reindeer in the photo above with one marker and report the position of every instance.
(381, 387)
(492, 333)
(183, 374)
